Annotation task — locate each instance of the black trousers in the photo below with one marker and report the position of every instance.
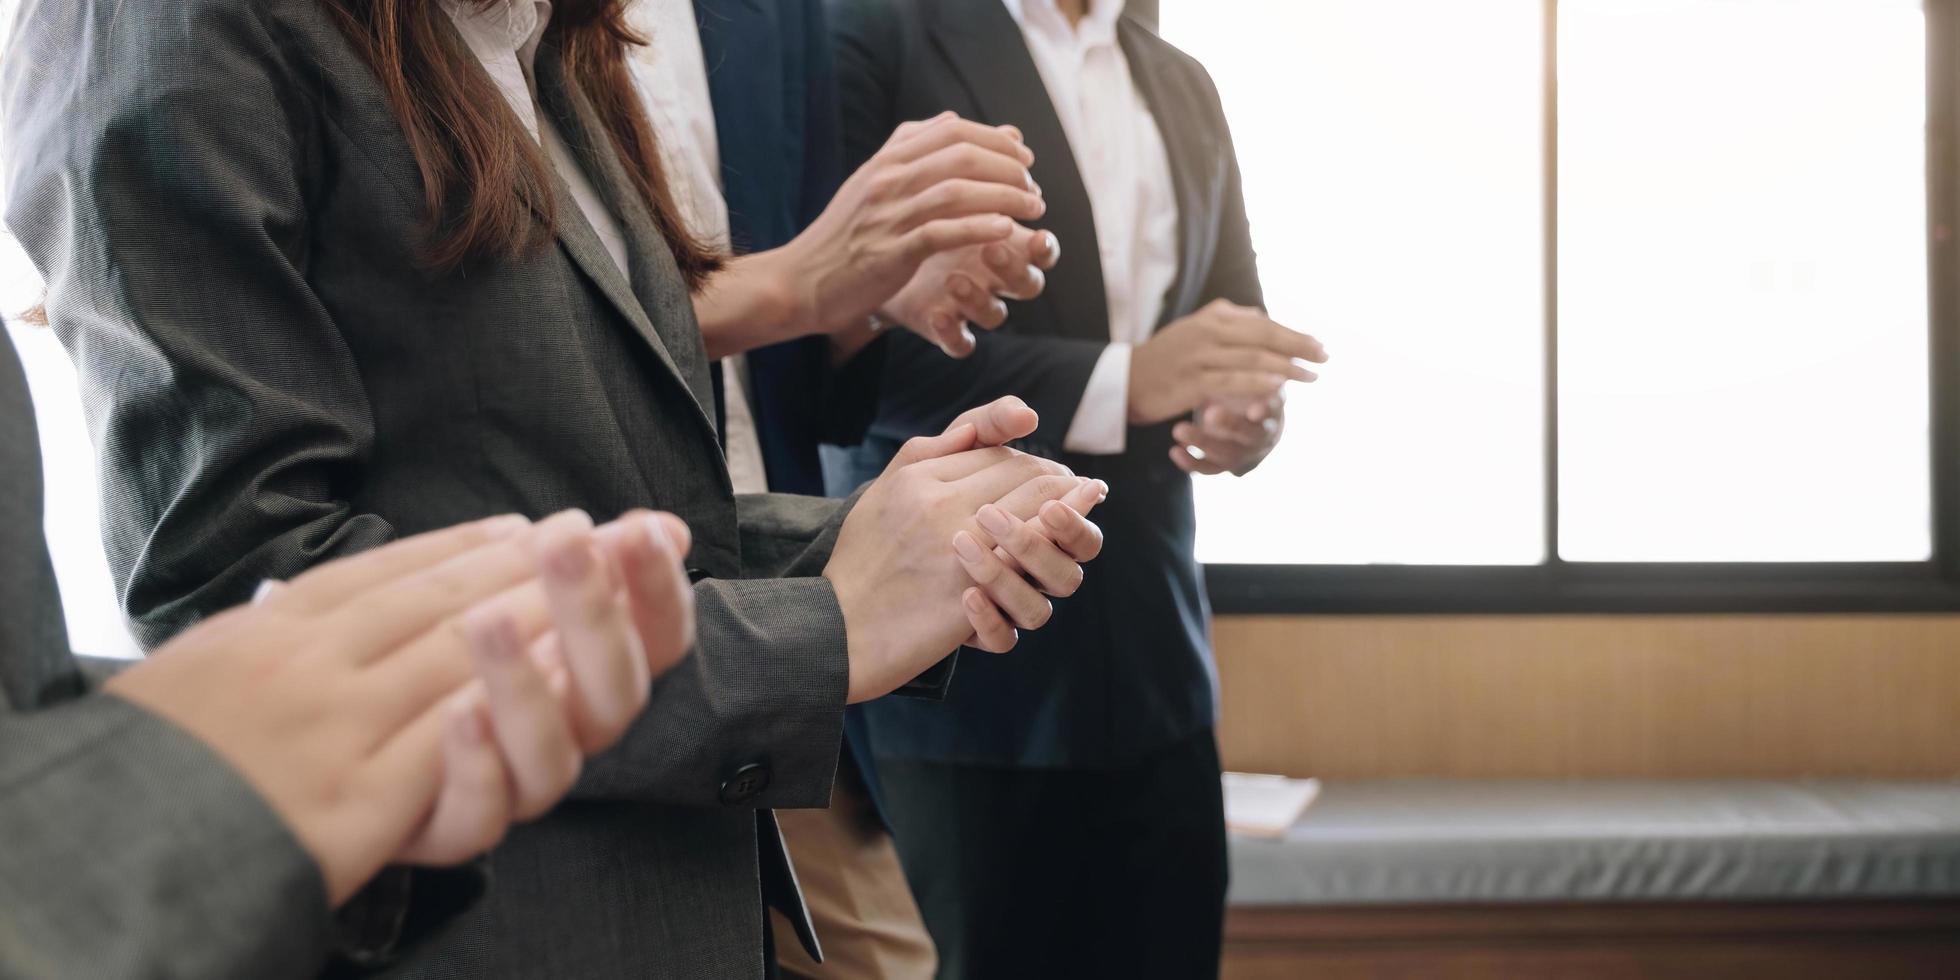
(1024, 874)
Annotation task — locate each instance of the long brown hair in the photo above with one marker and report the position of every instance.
(482, 174)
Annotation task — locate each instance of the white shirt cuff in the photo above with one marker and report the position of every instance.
(1102, 421)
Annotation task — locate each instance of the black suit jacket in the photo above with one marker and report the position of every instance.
(1125, 665)
(232, 231)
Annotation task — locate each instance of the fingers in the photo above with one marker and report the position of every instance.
(337, 582)
(973, 292)
(954, 337)
(946, 329)
(549, 659)
(394, 611)
(976, 303)
(963, 161)
(958, 197)
(1077, 536)
(1018, 600)
(1255, 359)
(946, 234)
(1260, 411)
(1025, 501)
(1226, 438)
(1184, 459)
(991, 631)
(1210, 444)
(1087, 497)
(910, 127)
(606, 667)
(1248, 327)
(1000, 421)
(527, 722)
(955, 454)
(1215, 445)
(437, 664)
(959, 466)
(651, 549)
(1294, 343)
(1015, 276)
(1039, 558)
(1044, 250)
(959, 437)
(991, 483)
(1219, 424)
(915, 140)
(473, 807)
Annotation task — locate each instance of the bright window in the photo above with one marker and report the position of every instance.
(1740, 236)
(1393, 163)
(1742, 281)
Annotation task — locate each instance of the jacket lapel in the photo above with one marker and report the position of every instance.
(656, 301)
(985, 48)
(1192, 171)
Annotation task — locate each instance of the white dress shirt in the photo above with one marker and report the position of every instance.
(1124, 168)
(672, 79)
(504, 37)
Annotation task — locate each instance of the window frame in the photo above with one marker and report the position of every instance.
(1560, 586)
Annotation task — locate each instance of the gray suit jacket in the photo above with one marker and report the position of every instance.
(127, 849)
(232, 229)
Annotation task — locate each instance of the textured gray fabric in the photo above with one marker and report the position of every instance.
(126, 848)
(1422, 842)
(36, 667)
(232, 229)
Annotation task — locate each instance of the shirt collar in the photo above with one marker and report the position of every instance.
(504, 35)
(1097, 26)
(515, 24)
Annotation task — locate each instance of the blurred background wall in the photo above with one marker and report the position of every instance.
(1591, 696)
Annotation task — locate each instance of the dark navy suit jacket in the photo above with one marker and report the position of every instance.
(1124, 667)
(775, 105)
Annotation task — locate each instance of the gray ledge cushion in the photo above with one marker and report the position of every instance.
(1421, 841)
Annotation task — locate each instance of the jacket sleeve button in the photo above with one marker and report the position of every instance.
(745, 784)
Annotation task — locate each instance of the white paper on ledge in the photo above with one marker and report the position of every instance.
(1259, 805)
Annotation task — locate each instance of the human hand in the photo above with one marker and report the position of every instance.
(938, 185)
(622, 614)
(344, 697)
(1019, 561)
(902, 594)
(955, 289)
(1229, 435)
(1222, 351)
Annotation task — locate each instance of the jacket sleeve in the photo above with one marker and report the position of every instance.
(924, 389)
(163, 200)
(786, 535)
(1235, 268)
(765, 684)
(133, 851)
